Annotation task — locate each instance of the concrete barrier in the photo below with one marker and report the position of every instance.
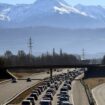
(88, 92)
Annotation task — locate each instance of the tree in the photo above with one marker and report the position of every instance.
(8, 54)
(103, 60)
(21, 53)
(1, 61)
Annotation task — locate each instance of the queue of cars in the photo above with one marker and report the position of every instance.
(50, 87)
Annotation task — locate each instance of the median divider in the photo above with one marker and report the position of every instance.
(88, 93)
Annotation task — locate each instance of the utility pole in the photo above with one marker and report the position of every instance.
(30, 46)
(53, 51)
(83, 54)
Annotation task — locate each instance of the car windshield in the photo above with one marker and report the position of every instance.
(25, 103)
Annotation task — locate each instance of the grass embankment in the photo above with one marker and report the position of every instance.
(22, 74)
(93, 82)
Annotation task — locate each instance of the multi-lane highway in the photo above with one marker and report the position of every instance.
(99, 94)
(8, 90)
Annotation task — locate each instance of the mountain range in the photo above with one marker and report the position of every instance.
(53, 13)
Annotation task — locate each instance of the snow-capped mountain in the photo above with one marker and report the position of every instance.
(56, 13)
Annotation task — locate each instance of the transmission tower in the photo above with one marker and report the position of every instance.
(30, 46)
(83, 54)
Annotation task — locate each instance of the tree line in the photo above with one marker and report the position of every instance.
(23, 59)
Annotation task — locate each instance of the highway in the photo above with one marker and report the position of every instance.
(8, 90)
(78, 92)
(99, 94)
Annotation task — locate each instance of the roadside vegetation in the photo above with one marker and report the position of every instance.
(22, 59)
(93, 82)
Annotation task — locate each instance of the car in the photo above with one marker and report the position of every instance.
(69, 87)
(36, 91)
(39, 91)
(32, 100)
(26, 102)
(34, 95)
(61, 99)
(45, 102)
(66, 103)
(64, 92)
(41, 88)
(48, 72)
(63, 95)
(28, 79)
(49, 96)
(51, 91)
(14, 80)
(64, 89)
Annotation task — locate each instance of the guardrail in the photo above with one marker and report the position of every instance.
(88, 93)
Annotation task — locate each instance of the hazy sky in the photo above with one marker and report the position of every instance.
(72, 2)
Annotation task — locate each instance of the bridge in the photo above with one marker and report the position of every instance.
(3, 69)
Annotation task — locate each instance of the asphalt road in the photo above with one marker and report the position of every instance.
(8, 90)
(78, 93)
(99, 94)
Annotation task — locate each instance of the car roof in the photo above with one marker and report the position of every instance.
(45, 101)
(30, 98)
(26, 101)
(66, 102)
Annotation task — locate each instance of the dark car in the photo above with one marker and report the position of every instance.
(39, 91)
(14, 80)
(51, 91)
(28, 79)
(41, 88)
(32, 100)
(61, 99)
(49, 96)
(64, 89)
(34, 95)
(26, 102)
(36, 91)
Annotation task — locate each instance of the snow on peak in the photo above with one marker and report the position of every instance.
(7, 10)
(62, 9)
(4, 17)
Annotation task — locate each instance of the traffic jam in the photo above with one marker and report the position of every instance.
(55, 91)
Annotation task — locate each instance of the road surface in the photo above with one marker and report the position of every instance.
(8, 90)
(78, 93)
(99, 94)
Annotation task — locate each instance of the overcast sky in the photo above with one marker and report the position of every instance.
(72, 2)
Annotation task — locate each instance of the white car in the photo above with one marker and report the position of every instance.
(66, 103)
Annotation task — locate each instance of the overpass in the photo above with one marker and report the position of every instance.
(3, 69)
